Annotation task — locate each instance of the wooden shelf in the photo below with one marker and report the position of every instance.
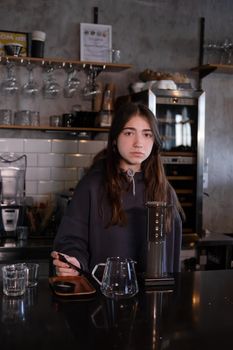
(52, 128)
(62, 63)
(177, 154)
(180, 178)
(206, 69)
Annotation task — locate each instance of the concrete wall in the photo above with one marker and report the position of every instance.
(155, 34)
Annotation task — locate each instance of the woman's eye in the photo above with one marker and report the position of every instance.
(128, 133)
(148, 135)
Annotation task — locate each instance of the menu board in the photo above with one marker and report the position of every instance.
(95, 42)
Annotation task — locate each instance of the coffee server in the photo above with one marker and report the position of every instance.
(12, 192)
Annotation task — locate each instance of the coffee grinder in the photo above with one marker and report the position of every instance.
(12, 192)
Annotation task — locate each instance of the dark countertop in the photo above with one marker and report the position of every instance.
(216, 239)
(32, 248)
(196, 315)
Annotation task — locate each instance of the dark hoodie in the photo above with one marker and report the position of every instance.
(84, 235)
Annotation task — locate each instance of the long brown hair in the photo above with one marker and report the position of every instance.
(157, 187)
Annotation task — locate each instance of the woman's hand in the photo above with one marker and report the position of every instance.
(63, 269)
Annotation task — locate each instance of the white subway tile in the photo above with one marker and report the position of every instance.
(64, 174)
(11, 145)
(64, 146)
(31, 188)
(78, 160)
(89, 146)
(50, 160)
(45, 187)
(38, 174)
(41, 199)
(37, 145)
(31, 159)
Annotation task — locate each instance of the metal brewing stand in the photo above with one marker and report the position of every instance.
(156, 264)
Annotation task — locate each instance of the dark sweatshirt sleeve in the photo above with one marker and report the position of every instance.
(72, 235)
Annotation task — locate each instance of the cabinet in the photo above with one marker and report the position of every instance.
(181, 121)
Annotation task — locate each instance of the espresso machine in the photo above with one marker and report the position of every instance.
(12, 193)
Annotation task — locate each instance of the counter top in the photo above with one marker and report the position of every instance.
(216, 239)
(196, 314)
(32, 248)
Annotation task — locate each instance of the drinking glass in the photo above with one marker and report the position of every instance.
(51, 88)
(14, 279)
(72, 83)
(5, 116)
(91, 87)
(31, 88)
(9, 86)
(226, 55)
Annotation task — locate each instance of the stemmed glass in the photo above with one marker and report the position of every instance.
(91, 87)
(226, 51)
(72, 82)
(51, 88)
(9, 85)
(31, 87)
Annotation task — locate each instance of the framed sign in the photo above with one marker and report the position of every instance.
(95, 42)
(7, 37)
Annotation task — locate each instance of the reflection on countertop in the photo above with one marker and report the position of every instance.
(30, 249)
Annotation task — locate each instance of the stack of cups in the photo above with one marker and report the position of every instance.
(38, 40)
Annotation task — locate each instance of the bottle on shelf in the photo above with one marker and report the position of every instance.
(106, 113)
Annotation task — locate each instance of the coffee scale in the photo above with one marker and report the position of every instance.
(12, 193)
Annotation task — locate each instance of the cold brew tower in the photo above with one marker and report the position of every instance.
(12, 192)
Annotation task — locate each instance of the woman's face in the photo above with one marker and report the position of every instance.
(135, 143)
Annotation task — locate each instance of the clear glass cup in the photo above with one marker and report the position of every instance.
(23, 117)
(116, 56)
(14, 279)
(32, 274)
(55, 120)
(5, 117)
(35, 118)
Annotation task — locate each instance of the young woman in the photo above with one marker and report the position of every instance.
(107, 215)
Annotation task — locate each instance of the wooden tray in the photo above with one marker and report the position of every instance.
(82, 286)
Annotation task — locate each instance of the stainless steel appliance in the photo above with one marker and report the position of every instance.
(181, 121)
(12, 185)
